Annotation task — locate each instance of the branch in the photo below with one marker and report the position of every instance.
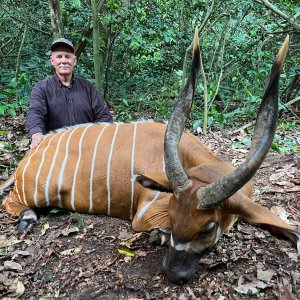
(205, 96)
(207, 15)
(187, 51)
(24, 22)
(20, 52)
(100, 5)
(217, 48)
(4, 45)
(226, 30)
(279, 13)
(87, 32)
(293, 86)
(222, 15)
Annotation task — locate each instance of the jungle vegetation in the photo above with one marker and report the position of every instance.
(138, 52)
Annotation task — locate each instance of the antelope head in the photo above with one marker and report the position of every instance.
(199, 213)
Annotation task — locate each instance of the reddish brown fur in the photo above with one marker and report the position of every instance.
(148, 158)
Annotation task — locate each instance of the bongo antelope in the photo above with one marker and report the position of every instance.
(157, 175)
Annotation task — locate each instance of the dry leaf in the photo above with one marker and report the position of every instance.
(5, 242)
(295, 276)
(293, 189)
(67, 252)
(126, 252)
(293, 256)
(285, 183)
(276, 176)
(16, 289)
(77, 249)
(20, 288)
(140, 253)
(11, 265)
(285, 290)
(68, 231)
(250, 288)
(127, 259)
(71, 251)
(265, 275)
(45, 227)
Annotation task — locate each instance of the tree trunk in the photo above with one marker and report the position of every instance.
(56, 24)
(96, 45)
(20, 52)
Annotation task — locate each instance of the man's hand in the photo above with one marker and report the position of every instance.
(36, 139)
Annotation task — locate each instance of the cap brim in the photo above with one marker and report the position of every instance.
(61, 44)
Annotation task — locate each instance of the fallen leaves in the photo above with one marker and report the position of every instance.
(250, 288)
(287, 178)
(15, 288)
(45, 227)
(11, 265)
(265, 275)
(285, 290)
(69, 230)
(72, 258)
(126, 252)
(6, 242)
(71, 251)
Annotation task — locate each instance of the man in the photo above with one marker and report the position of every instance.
(63, 99)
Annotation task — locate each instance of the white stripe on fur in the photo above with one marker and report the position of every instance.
(62, 170)
(39, 171)
(132, 171)
(52, 167)
(77, 166)
(108, 170)
(93, 167)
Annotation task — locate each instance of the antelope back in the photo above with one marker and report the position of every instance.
(90, 168)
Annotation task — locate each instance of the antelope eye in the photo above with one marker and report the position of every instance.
(210, 227)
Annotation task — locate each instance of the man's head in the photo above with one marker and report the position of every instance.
(62, 57)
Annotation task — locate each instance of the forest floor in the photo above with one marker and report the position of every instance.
(80, 256)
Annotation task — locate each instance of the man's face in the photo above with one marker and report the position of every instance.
(63, 60)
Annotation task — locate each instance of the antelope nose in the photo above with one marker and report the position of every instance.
(180, 266)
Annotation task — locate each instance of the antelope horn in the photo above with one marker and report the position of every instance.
(213, 194)
(175, 172)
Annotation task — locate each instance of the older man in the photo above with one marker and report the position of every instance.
(63, 99)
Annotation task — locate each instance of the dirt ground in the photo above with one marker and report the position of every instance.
(79, 256)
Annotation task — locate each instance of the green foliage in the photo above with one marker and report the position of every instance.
(286, 139)
(289, 140)
(143, 45)
(15, 96)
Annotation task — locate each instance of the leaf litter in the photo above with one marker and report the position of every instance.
(71, 256)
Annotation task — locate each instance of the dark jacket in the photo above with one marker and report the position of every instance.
(53, 105)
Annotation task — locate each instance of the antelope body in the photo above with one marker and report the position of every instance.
(91, 168)
(183, 186)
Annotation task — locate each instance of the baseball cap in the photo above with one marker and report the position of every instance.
(62, 42)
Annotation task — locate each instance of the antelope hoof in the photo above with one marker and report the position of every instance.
(159, 237)
(26, 223)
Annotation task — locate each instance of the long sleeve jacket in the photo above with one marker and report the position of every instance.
(53, 105)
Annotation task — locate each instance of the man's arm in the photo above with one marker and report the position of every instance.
(99, 106)
(36, 115)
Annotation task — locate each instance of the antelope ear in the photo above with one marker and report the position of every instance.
(257, 214)
(154, 181)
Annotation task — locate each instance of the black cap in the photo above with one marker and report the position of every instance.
(62, 42)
